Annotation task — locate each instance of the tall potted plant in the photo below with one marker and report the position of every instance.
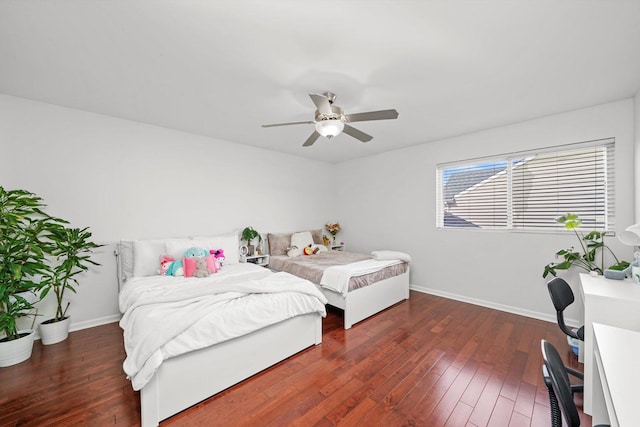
(72, 250)
(25, 231)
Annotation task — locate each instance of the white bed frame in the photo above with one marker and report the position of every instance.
(185, 380)
(369, 300)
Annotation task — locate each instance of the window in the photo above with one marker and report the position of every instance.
(528, 190)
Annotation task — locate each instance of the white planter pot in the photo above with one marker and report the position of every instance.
(54, 332)
(16, 351)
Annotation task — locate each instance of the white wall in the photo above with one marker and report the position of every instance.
(391, 205)
(129, 180)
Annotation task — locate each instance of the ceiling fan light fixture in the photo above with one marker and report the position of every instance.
(329, 128)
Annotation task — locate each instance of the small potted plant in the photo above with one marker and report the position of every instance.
(72, 250)
(248, 235)
(592, 256)
(25, 231)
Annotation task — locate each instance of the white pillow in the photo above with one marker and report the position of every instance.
(301, 239)
(229, 242)
(177, 247)
(146, 256)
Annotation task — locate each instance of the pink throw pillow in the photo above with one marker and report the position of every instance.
(211, 264)
(189, 266)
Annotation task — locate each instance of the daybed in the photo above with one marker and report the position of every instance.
(367, 287)
(189, 338)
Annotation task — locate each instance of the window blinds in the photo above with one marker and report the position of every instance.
(528, 190)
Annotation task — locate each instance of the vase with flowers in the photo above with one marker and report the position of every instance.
(333, 228)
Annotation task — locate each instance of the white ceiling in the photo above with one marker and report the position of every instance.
(223, 68)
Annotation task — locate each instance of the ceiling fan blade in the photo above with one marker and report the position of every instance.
(322, 103)
(357, 134)
(287, 124)
(313, 138)
(372, 115)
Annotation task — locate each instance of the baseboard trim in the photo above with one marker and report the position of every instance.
(489, 304)
(94, 322)
(87, 324)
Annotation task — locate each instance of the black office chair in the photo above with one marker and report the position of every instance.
(556, 377)
(562, 297)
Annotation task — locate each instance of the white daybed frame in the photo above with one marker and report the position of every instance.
(185, 380)
(369, 300)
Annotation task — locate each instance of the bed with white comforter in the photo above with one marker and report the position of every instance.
(187, 339)
(361, 285)
(166, 316)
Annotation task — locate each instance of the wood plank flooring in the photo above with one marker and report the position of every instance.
(428, 361)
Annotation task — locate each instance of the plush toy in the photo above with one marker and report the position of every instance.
(310, 250)
(212, 266)
(201, 268)
(219, 256)
(177, 266)
(195, 252)
(165, 262)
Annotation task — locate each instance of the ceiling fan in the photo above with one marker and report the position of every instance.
(330, 120)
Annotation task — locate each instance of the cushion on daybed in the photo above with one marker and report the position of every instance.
(301, 239)
(279, 242)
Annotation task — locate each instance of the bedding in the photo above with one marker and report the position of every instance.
(312, 268)
(168, 316)
(337, 277)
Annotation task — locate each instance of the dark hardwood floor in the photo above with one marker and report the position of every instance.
(428, 361)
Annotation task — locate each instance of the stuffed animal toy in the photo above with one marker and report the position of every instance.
(310, 250)
(219, 256)
(165, 262)
(212, 266)
(177, 266)
(195, 252)
(201, 268)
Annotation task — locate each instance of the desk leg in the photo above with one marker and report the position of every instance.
(590, 368)
(598, 407)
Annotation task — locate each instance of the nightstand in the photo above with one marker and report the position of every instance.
(338, 247)
(261, 260)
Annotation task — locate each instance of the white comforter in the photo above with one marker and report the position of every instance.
(337, 277)
(168, 316)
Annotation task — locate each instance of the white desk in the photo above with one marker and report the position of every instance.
(610, 302)
(616, 375)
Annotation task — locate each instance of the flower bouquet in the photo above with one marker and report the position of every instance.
(333, 228)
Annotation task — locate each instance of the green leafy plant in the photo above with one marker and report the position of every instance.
(591, 254)
(25, 242)
(249, 234)
(72, 250)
